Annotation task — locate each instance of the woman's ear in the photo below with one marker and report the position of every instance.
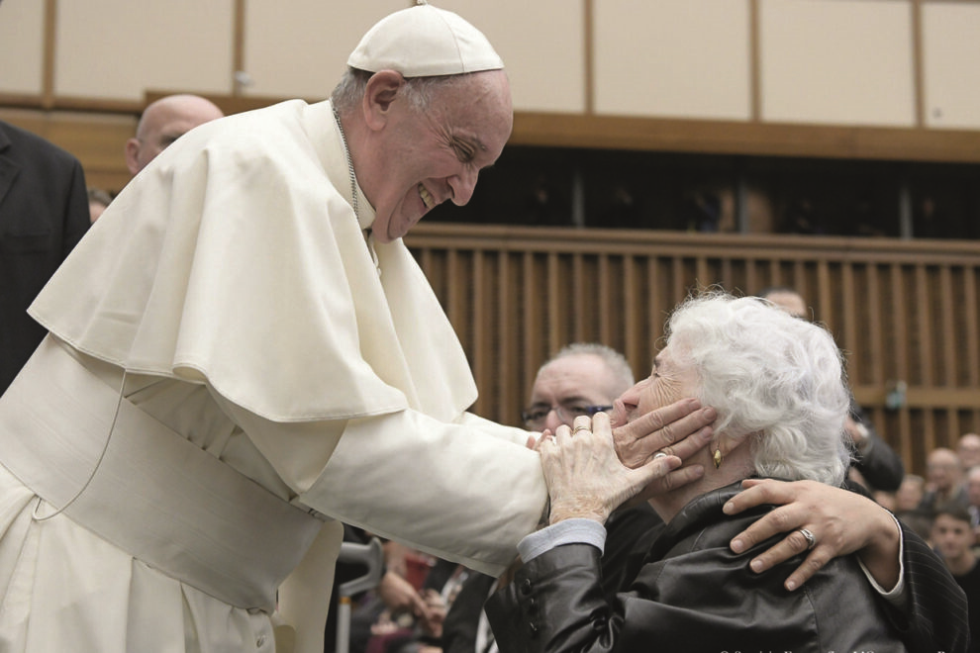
(381, 90)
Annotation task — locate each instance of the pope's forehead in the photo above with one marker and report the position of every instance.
(478, 110)
(487, 91)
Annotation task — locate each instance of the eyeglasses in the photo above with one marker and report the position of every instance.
(535, 416)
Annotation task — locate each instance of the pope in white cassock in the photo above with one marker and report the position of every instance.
(242, 353)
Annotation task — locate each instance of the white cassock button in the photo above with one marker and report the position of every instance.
(260, 642)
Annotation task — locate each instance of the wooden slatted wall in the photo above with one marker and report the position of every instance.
(903, 311)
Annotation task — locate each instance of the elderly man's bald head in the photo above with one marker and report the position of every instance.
(788, 300)
(943, 467)
(968, 449)
(163, 122)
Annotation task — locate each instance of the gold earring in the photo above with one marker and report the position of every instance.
(718, 458)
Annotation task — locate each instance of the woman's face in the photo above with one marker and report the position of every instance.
(671, 379)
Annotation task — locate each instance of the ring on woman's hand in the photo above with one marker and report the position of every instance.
(659, 454)
(579, 428)
(811, 541)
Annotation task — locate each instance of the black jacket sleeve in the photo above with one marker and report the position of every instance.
(936, 618)
(879, 464)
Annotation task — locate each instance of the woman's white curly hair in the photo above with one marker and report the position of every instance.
(769, 374)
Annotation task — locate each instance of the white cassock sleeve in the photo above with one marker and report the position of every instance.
(509, 433)
(451, 490)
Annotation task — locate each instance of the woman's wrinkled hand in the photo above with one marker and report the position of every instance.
(586, 478)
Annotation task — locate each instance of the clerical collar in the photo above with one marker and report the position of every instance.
(368, 233)
(350, 164)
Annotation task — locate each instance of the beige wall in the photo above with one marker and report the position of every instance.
(21, 46)
(822, 62)
(673, 59)
(300, 49)
(951, 45)
(542, 42)
(834, 62)
(116, 49)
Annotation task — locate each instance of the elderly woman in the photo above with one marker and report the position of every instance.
(776, 380)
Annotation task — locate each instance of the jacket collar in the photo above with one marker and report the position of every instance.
(696, 515)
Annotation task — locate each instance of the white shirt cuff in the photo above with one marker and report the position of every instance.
(569, 531)
(895, 596)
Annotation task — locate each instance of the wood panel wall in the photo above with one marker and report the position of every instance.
(902, 311)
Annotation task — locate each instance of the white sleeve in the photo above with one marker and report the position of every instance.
(447, 489)
(569, 531)
(513, 434)
(897, 595)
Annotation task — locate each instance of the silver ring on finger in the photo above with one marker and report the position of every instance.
(659, 454)
(811, 541)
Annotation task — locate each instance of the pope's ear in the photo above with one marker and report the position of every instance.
(381, 90)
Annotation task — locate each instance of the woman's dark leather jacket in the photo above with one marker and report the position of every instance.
(692, 594)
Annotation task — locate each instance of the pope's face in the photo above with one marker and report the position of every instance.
(436, 155)
(672, 379)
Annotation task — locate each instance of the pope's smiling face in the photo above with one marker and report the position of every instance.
(435, 154)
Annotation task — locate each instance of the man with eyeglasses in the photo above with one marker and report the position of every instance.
(582, 379)
(585, 379)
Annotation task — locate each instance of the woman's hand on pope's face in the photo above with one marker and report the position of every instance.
(586, 478)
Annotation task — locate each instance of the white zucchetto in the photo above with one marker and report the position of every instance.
(424, 41)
